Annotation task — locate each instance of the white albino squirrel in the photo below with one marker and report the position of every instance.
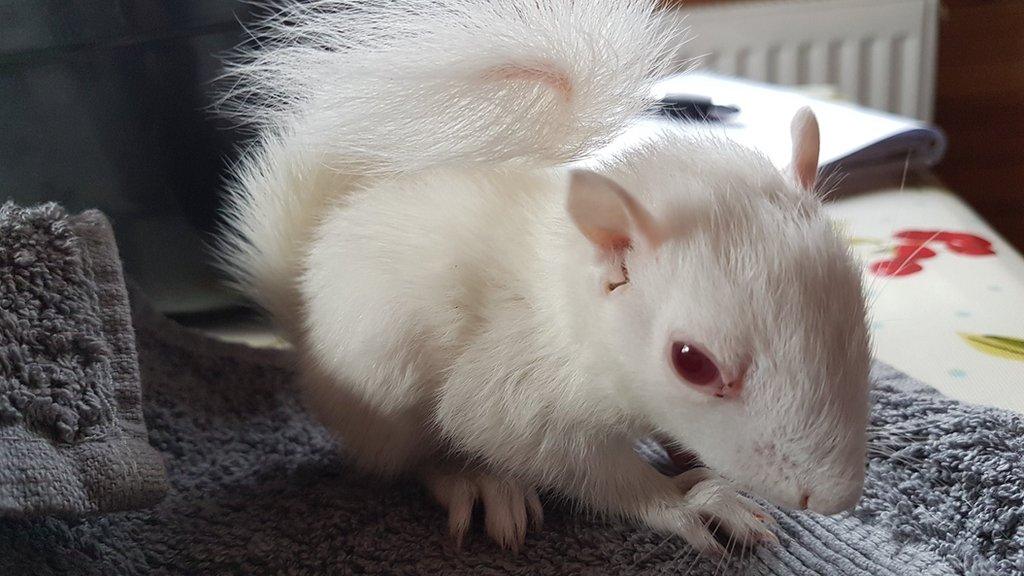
(468, 306)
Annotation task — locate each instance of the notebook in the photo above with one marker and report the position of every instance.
(853, 139)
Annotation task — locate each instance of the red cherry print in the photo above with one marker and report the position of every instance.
(922, 236)
(913, 252)
(903, 262)
(972, 250)
(970, 246)
(913, 247)
(964, 238)
(894, 267)
(958, 242)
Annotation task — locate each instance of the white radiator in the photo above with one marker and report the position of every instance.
(880, 53)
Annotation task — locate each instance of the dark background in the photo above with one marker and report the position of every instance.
(106, 104)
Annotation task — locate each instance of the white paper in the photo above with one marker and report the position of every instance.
(852, 137)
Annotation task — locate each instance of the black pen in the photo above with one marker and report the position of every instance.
(685, 107)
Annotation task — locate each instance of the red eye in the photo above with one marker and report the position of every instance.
(693, 365)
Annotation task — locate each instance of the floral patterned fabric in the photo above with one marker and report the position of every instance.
(946, 293)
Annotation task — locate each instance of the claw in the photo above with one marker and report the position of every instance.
(535, 509)
(712, 516)
(509, 507)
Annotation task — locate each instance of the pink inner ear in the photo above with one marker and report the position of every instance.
(806, 147)
(613, 242)
(608, 215)
(610, 243)
(599, 213)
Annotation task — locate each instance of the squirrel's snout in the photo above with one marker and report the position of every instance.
(833, 496)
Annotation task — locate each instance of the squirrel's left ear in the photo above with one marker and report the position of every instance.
(612, 220)
(609, 216)
(806, 145)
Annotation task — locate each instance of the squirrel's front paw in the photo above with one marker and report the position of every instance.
(711, 516)
(508, 505)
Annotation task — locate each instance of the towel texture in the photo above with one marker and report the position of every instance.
(257, 488)
(72, 437)
(948, 475)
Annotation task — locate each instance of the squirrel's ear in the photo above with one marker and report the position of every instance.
(608, 215)
(612, 220)
(806, 145)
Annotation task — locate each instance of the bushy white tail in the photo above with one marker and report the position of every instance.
(345, 90)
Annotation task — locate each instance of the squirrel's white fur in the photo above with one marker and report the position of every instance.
(467, 307)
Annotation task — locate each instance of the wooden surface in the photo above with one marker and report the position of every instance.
(980, 105)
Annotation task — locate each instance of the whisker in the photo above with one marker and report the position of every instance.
(901, 427)
(896, 441)
(879, 433)
(650, 552)
(877, 453)
(742, 560)
(909, 260)
(698, 557)
(909, 439)
(892, 442)
(693, 563)
(707, 527)
(718, 565)
(898, 458)
(830, 185)
(906, 168)
(903, 184)
(730, 546)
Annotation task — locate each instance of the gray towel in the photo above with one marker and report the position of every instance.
(258, 488)
(72, 437)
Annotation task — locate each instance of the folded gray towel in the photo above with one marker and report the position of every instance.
(72, 437)
(258, 488)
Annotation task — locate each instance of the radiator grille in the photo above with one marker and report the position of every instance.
(880, 53)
